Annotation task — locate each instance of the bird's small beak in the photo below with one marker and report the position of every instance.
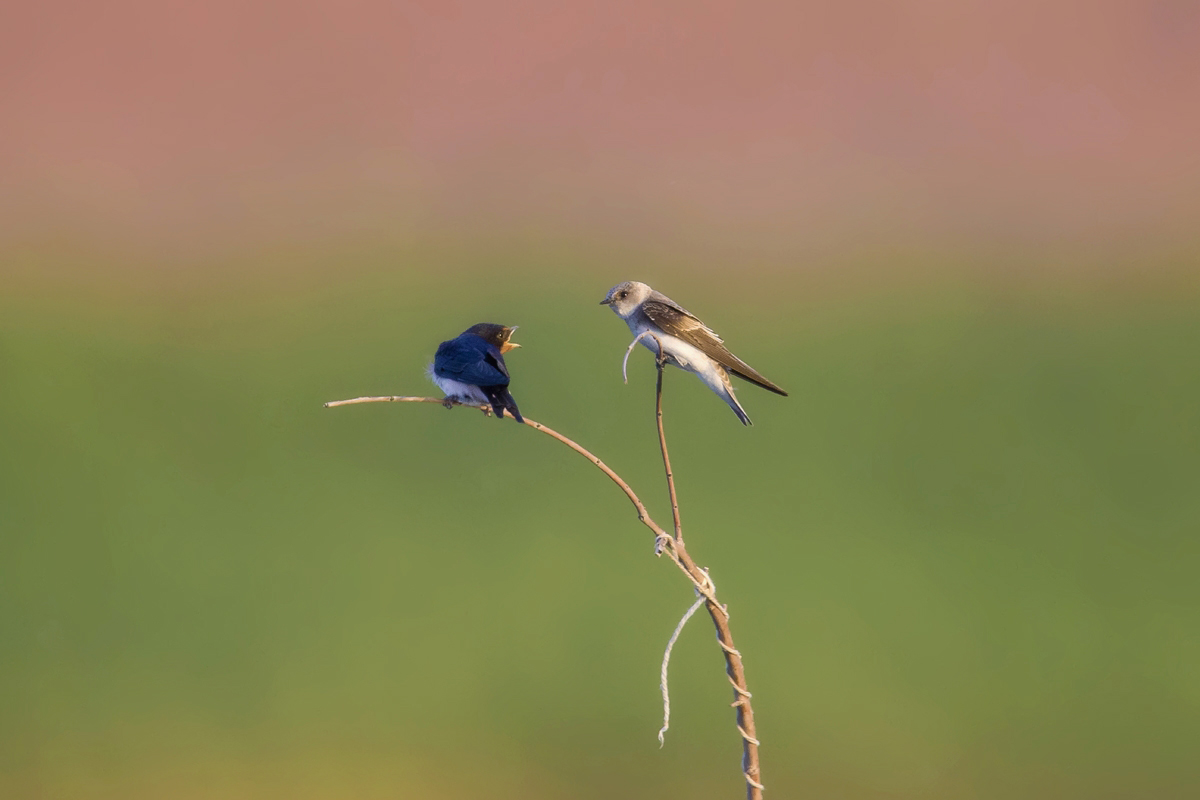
(606, 301)
(504, 348)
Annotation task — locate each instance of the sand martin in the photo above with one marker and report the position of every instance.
(470, 368)
(688, 342)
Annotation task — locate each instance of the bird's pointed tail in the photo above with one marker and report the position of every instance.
(737, 407)
(718, 380)
(502, 400)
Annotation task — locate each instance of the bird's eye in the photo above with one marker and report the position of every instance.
(620, 295)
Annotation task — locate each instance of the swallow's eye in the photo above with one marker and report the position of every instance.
(620, 295)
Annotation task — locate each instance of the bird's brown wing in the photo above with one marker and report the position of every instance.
(674, 320)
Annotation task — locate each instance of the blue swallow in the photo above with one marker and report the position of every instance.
(470, 368)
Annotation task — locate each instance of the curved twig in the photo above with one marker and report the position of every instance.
(629, 351)
(639, 506)
(393, 399)
(662, 683)
(734, 668)
(675, 550)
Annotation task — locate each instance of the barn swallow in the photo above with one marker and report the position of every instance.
(688, 342)
(470, 368)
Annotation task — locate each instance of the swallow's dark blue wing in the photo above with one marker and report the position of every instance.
(470, 359)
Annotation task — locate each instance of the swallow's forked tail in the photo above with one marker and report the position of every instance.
(502, 400)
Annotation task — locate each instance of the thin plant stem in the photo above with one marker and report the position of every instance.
(639, 506)
(666, 662)
(660, 361)
(734, 667)
(676, 551)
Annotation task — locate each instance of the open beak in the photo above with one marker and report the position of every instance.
(504, 348)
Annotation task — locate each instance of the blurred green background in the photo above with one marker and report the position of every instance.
(961, 557)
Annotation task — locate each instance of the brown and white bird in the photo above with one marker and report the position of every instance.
(687, 342)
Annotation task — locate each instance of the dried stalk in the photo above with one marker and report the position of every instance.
(662, 681)
(660, 361)
(734, 668)
(642, 513)
(675, 549)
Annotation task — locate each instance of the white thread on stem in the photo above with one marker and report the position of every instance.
(629, 351)
(662, 732)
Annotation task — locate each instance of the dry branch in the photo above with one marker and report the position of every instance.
(643, 514)
(734, 668)
(675, 549)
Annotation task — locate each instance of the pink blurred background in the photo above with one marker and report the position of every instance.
(969, 558)
(772, 129)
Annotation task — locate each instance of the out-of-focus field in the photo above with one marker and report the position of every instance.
(961, 558)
